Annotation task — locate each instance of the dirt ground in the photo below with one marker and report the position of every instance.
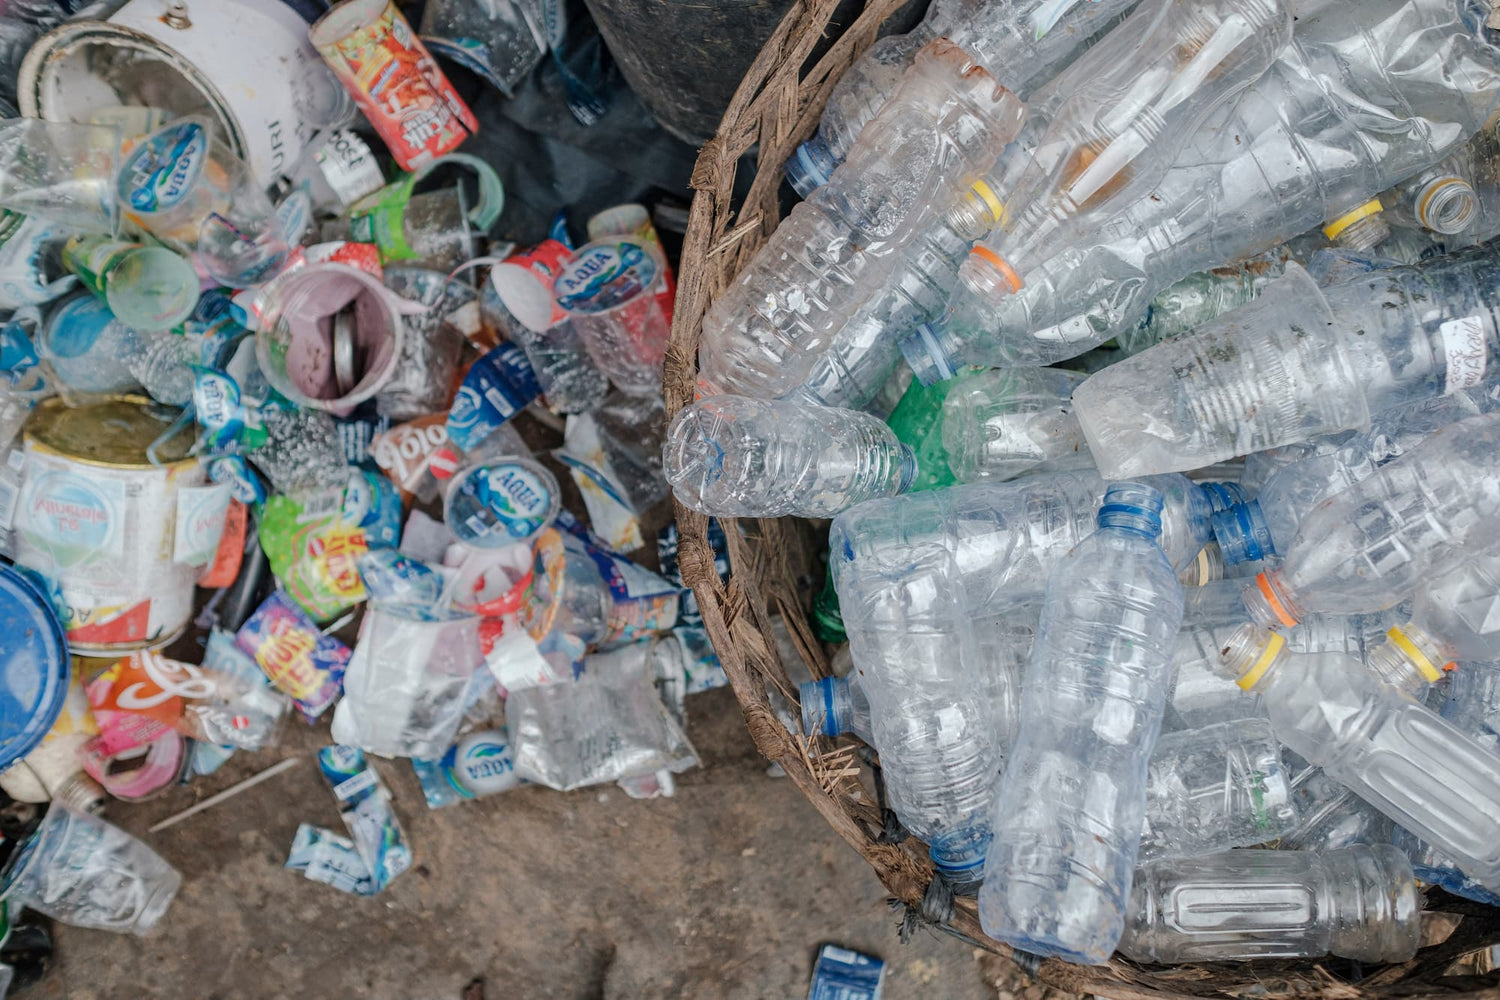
(725, 891)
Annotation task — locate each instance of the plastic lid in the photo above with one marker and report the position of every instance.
(605, 275)
(35, 654)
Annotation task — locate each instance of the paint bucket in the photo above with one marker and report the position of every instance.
(246, 63)
(100, 520)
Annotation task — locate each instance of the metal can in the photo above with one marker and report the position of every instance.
(105, 523)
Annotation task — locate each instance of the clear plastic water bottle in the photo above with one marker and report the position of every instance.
(1116, 135)
(1372, 545)
(1333, 817)
(916, 658)
(1006, 538)
(1001, 423)
(1023, 42)
(1298, 363)
(1070, 808)
(1290, 152)
(1253, 529)
(947, 122)
(1399, 756)
(1201, 298)
(1361, 903)
(1454, 617)
(1473, 703)
(159, 362)
(1214, 788)
(833, 706)
(739, 457)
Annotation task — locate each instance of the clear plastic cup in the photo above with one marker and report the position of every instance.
(147, 288)
(82, 871)
(609, 288)
(60, 172)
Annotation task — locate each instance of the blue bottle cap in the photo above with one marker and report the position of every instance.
(34, 653)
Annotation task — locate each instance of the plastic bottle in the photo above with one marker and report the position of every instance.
(1023, 42)
(1361, 903)
(1454, 617)
(918, 423)
(946, 123)
(1115, 136)
(1473, 703)
(1299, 362)
(1410, 521)
(1005, 538)
(916, 658)
(1001, 423)
(1439, 199)
(1214, 788)
(1070, 808)
(1293, 150)
(1333, 817)
(1254, 529)
(741, 457)
(1201, 298)
(1399, 756)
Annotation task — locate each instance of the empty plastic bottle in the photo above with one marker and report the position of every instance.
(947, 122)
(1214, 788)
(1372, 545)
(1299, 362)
(916, 658)
(739, 457)
(1294, 149)
(1070, 809)
(1473, 703)
(1005, 538)
(1253, 529)
(1454, 617)
(1001, 423)
(1333, 817)
(1023, 43)
(833, 706)
(1361, 903)
(1401, 757)
(1201, 298)
(1115, 136)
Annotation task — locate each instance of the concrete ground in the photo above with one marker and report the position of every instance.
(725, 891)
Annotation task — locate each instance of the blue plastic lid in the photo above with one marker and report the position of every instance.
(34, 660)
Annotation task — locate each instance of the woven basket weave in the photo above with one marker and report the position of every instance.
(776, 569)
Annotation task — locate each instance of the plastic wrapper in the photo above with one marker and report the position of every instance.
(330, 858)
(365, 806)
(405, 687)
(79, 870)
(607, 725)
(301, 661)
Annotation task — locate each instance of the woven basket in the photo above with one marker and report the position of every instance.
(776, 569)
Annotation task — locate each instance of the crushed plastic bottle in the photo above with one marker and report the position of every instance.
(1072, 802)
(1398, 755)
(1001, 423)
(947, 122)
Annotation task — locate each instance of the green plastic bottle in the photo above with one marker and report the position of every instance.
(918, 423)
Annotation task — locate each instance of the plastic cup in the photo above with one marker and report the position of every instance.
(82, 871)
(503, 502)
(524, 283)
(147, 288)
(634, 223)
(423, 380)
(609, 288)
(60, 172)
(500, 40)
(301, 333)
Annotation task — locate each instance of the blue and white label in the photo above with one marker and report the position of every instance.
(165, 167)
(603, 276)
(516, 496)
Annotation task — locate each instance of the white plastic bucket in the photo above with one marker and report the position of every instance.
(247, 63)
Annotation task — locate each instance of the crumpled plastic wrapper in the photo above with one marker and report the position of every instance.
(607, 725)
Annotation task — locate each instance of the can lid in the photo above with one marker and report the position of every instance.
(604, 276)
(35, 656)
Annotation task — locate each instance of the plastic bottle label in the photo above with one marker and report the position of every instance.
(1465, 344)
(165, 167)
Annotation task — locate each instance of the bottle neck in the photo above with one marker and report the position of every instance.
(1269, 603)
(1361, 229)
(1242, 533)
(1132, 507)
(1410, 659)
(1251, 655)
